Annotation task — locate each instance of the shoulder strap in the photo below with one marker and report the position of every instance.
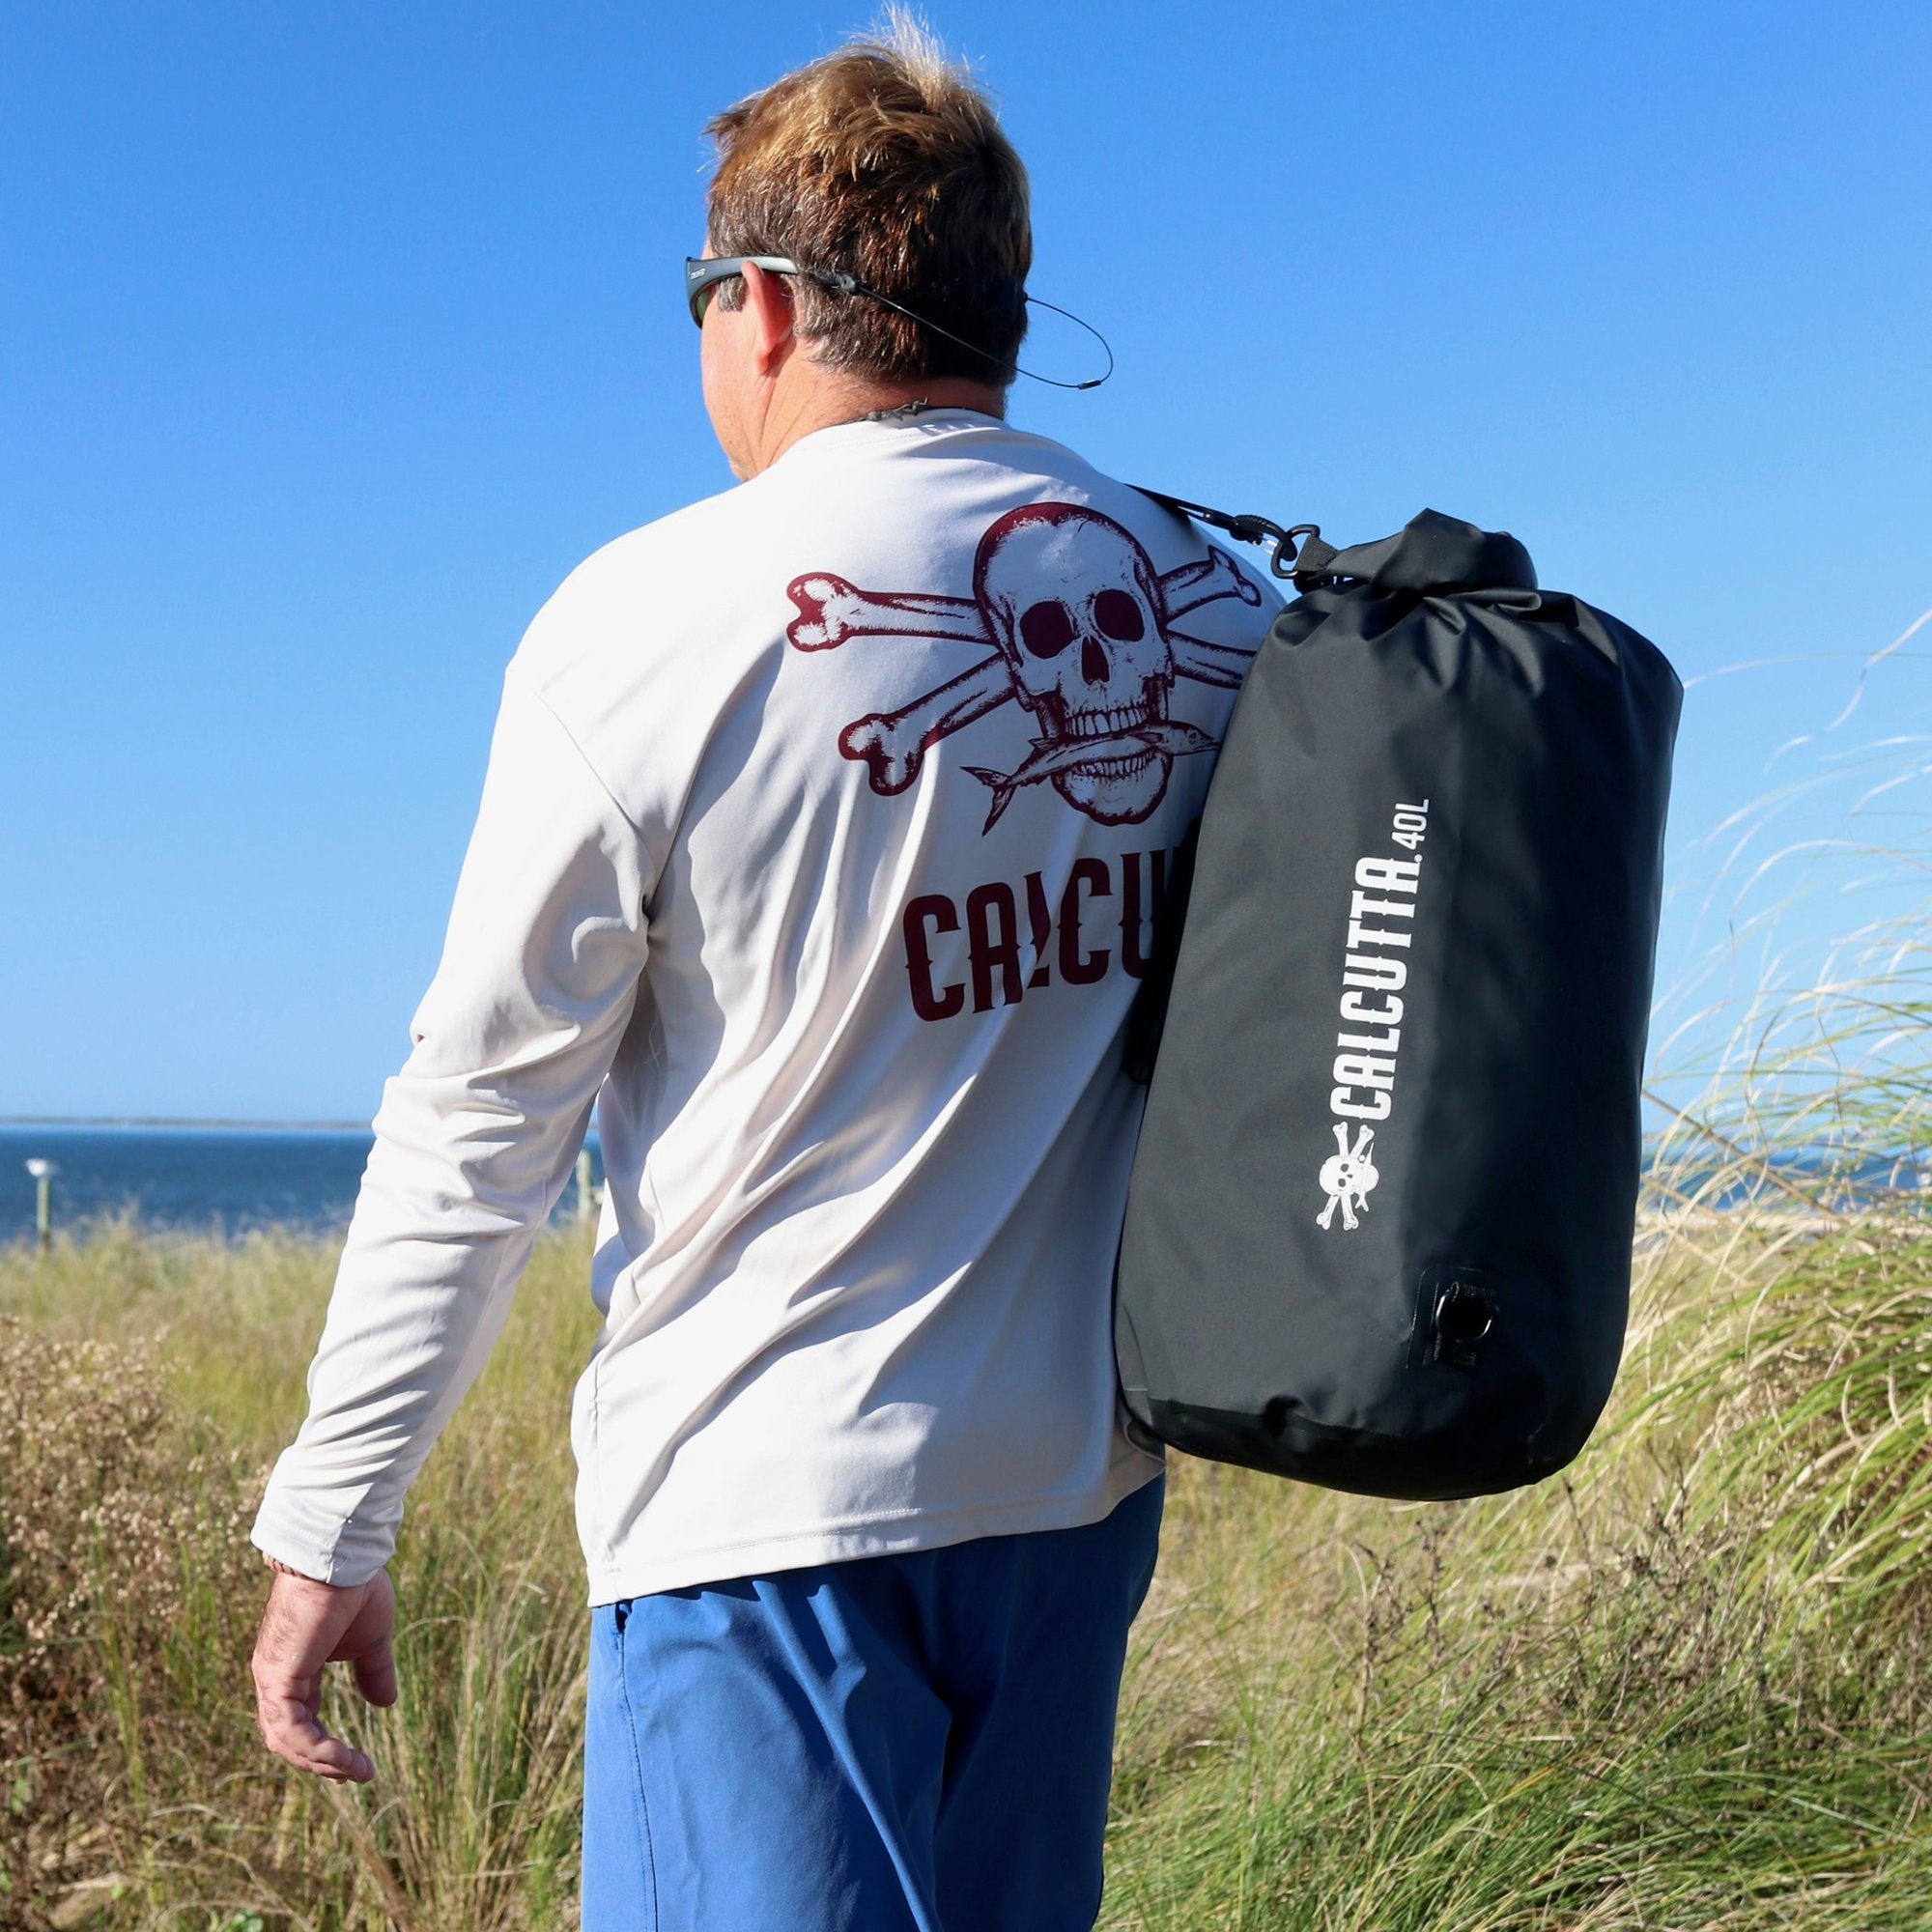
(1248, 529)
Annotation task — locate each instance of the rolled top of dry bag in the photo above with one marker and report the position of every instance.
(1379, 1227)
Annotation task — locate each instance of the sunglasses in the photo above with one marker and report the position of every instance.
(703, 273)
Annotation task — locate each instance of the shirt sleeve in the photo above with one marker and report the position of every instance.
(474, 1139)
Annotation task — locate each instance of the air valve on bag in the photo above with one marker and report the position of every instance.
(1461, 1313)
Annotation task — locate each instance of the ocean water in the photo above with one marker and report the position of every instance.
(205, 1179)
(230, 1180)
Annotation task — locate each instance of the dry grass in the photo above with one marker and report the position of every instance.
(1689, 1685)
(145, 1384)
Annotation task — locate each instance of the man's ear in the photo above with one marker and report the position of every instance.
(768, 303)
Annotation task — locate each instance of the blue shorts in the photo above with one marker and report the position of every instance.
(901, 1744)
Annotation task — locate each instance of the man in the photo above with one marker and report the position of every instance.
(823, 834)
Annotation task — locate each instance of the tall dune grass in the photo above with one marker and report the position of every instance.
(1684, 1685)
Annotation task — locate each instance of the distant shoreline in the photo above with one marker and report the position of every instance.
(172, 1121)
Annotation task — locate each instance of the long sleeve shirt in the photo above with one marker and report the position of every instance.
(823, 833)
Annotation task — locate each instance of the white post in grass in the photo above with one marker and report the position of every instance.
(43, 1172)
(587, 1195)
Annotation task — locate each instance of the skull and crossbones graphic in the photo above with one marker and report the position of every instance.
(1346, 1177)
(1081, 631)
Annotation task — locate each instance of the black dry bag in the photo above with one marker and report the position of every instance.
(1379, 1235)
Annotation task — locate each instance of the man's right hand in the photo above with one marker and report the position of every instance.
(305, 1626)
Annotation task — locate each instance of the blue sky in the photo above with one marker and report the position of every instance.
(331, 338)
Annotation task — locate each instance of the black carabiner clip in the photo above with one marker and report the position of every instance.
(1244, 528)
(1286, 547)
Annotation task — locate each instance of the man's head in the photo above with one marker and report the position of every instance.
(883, 162)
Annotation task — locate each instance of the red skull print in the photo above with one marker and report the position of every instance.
(1082, 631)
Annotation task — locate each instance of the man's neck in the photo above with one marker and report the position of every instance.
(806, 399)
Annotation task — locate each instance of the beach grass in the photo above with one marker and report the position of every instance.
(1688, 1683)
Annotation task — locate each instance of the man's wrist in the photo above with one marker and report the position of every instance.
(282, 1569)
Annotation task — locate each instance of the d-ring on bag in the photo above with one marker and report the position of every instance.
(1379, 1235)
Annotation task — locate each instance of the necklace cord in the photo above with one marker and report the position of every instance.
(841, 283)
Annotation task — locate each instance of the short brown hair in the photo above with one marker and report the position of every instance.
(884, 162)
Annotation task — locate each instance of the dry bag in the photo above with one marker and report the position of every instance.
(1379, 1235)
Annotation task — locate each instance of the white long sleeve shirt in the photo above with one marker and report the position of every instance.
(823, 832)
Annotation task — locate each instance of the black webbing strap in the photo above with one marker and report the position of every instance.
(1261, 531)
